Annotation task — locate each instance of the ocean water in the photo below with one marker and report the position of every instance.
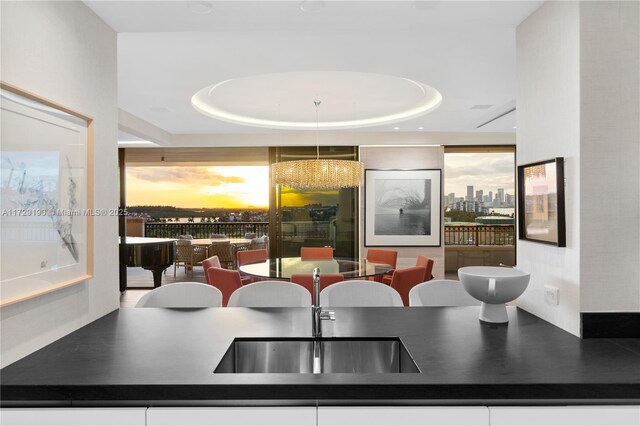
(409, 223)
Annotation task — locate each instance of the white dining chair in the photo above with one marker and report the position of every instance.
(270, 294)
(182, 295)
(359, 293)
(441, 293)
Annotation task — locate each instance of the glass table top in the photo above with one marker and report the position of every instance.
(286, 266)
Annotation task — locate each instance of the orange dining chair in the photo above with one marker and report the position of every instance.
(246, 257)
(214, 262)
(404, 279)
(316, 252)
(225, 280)
(306, 280)
(428, 265)
(420, 261)
(390, 257)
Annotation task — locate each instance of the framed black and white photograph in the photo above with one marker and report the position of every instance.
(403, 207)
(541, 202)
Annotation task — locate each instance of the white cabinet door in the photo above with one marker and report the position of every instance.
(403, 416)
(72, 416)
(223, 416)
(565, 416)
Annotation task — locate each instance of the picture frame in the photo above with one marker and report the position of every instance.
(403, 208)
(47, 196)
(541, 203)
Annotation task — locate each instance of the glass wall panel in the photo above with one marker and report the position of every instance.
(300, 218)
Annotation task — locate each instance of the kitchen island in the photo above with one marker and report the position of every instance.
(166, 357)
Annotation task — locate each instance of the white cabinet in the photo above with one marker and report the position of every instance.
(72, 416)
(237, 416)
(566, 416)
(403, 416)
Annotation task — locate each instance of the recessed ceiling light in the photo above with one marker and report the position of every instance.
(278, 100)
(481, 106)
(420, 128)
(396, 128)
(200, 7)
(515, 127)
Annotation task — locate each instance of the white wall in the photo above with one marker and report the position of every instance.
(578, 97)
(548, 116)
(63, 52)
(610, 156)
(427, 157)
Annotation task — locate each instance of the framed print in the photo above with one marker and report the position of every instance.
(46, 203)
(403, 207)
(541, 202)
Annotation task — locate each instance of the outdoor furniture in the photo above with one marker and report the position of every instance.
(441, 293)
(260, 243)
(404, 279)
(188, 255)
(182, 295)
(270, 294)
(359, 293)
(224, 251)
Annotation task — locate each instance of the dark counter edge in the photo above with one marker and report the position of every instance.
(347, 394)
(598, 325)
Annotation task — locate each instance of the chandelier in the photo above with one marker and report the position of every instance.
(318, 173)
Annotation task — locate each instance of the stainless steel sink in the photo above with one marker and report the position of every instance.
(332, 355)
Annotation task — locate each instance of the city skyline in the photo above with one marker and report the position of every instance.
(484, 171)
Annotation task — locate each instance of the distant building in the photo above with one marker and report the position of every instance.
(479, 195)
(508, 199)
(501, 195)
(469, 193)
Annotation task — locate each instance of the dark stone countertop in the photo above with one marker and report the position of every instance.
(147, 357)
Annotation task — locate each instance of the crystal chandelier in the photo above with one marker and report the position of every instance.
(318, 174)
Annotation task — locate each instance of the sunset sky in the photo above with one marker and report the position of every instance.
(196, 187)
(211, 187)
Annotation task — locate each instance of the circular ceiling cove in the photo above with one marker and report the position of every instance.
(286, 100)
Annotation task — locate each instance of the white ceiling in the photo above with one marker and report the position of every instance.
(465, 50)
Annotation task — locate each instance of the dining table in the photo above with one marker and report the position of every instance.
(235, 242)
(284, 267)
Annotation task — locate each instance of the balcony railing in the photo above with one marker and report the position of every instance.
(479, 235)
(205, 229)
(461, 235)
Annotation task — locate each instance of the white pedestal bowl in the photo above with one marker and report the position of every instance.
(493, 286)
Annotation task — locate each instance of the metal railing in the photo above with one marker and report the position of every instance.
(462, 235)
(479, 235)
(205, 229)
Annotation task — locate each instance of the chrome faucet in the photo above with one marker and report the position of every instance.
(316, 309)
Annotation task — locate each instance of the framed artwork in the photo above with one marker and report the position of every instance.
(46, 203)
(541, 202)
(403, 207)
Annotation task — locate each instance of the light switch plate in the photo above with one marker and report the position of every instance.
(551, 295)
